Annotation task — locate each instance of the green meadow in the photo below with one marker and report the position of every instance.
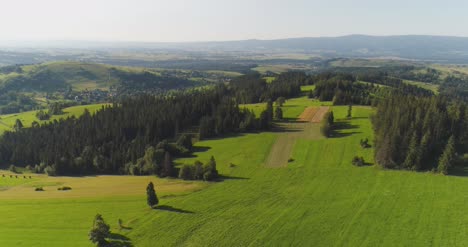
(319, 199)
(8, 121)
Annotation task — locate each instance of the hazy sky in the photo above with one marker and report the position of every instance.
(201, 20)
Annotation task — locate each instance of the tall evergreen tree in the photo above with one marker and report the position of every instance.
(210, 171)
(350, 109)
(278, 113)
(18, 125)
(447, 157)
(100, 231)
(151, 197)
(414, 154)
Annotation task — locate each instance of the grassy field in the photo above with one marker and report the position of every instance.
(319, 199)
(63, 218)
(432, 87)
(7, 121)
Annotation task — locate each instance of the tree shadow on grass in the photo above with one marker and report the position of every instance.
(224, 177)
(118, 240)
(344, 125)
(359, 117)
(340, 127)
(172, 209)
(336, 134)
(199, 149)
(367, 164)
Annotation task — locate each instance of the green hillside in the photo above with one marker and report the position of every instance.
(319, 199)
(7, 121)
(28, 87)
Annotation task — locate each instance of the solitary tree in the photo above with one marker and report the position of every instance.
(100, 231)
(152, 198)
(350, 109)
(18, 125)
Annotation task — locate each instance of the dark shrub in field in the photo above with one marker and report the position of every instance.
(64, 188)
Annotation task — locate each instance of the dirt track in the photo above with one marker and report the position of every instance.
(320, 114)
(308, 128)
(308, 114)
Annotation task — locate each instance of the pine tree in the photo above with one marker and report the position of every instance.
(278, 113)
(100, 231)
(331, 118)
(18, 125)
(210, 171)
(350, 109)
(413, 156)
(447, 157)
(152, 198)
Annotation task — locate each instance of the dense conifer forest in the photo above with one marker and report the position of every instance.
(420, 133)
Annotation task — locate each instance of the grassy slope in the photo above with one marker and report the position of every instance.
(320, 199)
(89, 76)
(63, 218)
(7, 121)
(429, 86)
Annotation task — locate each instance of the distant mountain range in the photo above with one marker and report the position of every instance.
(440, 48)
(418, 47)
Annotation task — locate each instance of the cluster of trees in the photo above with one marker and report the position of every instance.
(132, 83)
(252, 88)
(455, 87)
(327, 124)
(415, 132)
(342, 89)
(42, 115)
(199, 171)
(12, 102)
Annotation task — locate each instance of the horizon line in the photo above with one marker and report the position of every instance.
(6, 41)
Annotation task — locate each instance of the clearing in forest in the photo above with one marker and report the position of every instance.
(307, 128)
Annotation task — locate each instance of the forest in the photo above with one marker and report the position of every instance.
(420, 133)
(141, 134)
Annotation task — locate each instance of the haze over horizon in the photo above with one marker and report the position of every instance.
(210, 20)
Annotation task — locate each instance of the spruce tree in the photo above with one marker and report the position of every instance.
(350, 109)
(413, 156)
(447, 157)
(100, 231)
(152, 198)
(210, 172)
(278, 113)
(18, 125)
